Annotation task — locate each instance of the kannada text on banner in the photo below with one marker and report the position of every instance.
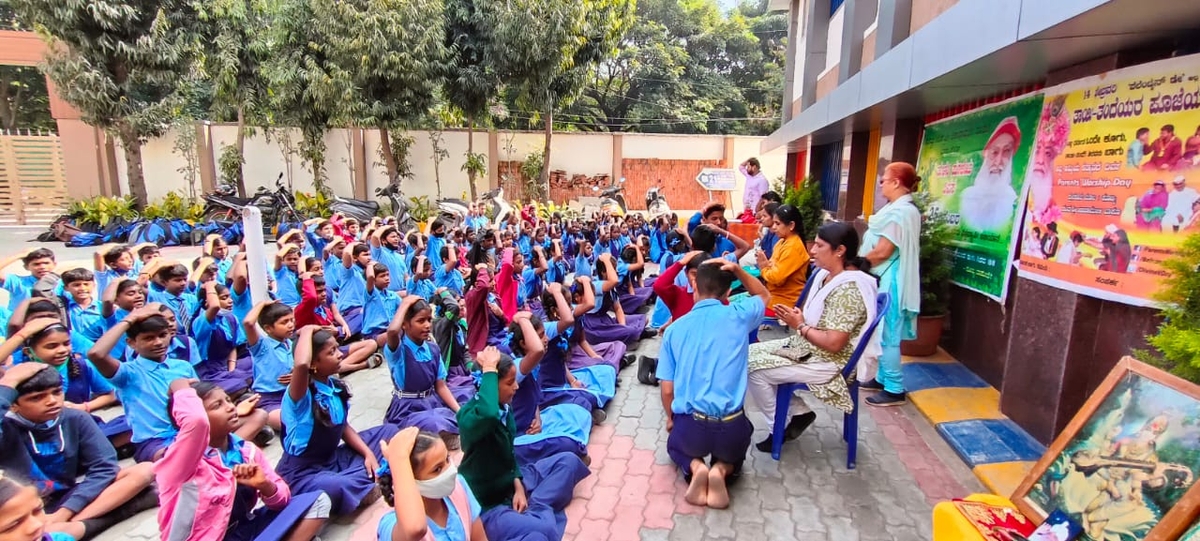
(1113, 181)
(974, 166)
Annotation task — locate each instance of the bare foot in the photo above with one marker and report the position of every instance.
(697, 492)
(718, 493)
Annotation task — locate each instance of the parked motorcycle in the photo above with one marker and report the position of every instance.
(656, 202)
(496, 203)
(452, 211)
(277, 207)
(365, 211)
(612, 200)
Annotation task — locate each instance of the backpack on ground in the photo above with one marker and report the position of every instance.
(85, 239)
(148, 232)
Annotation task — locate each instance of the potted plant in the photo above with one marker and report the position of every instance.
(936, 235)
(421, 211)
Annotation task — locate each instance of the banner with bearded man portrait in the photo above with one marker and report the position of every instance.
(973, 165)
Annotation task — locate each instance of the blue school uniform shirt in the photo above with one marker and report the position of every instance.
(353, 292)
(709, 368)
(768, 242)
(453, 531)
(143, 386)
(119, 350)
(449, 279)
(18, 288)
(184, 305)
(315, 243)
(203, 330)
(422, 353)
(382, 306)
(288, 286)
(334, 273)
(242, 303)
(97, 384)
(272, 359)
(223, 268)
(297, 415)
(583, 266)
(433, 250)
(422, 288)
(395, 262)
(87, 321)
(107, 276)
(527, 285)
(556, 271)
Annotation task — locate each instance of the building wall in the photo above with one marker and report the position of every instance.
(827, 83)
(868, 48)
(924, 11)
(833, 43)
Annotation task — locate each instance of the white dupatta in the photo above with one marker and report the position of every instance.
(868, 287)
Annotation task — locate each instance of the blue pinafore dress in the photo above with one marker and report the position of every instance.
(326, 465)
(215, 366)
(84, 387)
(414, 401)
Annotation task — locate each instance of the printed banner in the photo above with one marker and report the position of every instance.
(1113, 181)
(974, 165)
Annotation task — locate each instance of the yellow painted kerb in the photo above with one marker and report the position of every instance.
(948, 404)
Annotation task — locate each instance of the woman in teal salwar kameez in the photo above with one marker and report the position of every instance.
(892, 245)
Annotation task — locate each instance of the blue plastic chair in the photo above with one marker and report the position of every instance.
(783, 395)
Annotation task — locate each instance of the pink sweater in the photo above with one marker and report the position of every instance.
(196, 489)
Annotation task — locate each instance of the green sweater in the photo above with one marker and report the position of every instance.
(489, 464)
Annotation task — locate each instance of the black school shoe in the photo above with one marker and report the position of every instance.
(646, 368)
(628, 360)
(884, 399)
(795, 427)
(872, 386)
(264, 437)
(648, 333)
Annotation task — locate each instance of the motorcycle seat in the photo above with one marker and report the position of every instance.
(239, 201)
(358, 203)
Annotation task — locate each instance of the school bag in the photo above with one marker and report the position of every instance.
(179, 232)
(647, 366)
(86, 239)
(148, 232)
(117, 230)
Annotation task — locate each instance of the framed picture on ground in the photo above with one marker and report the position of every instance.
(1125, 467)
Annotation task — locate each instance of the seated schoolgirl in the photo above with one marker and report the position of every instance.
(315, 309)
(602, 327)
(22, 507)
(542, 428)
(221, 342)
(597, 382)
(64, 453)
(382, 302)
(332, 265)
(210, 481)
(430, 501)
(557, 269)
(675, 245)
(583, 353)
(583, 260)
(420, 396)
(351, 297)
(631, 292)
(316, 413)
(216, 248)
(531, 281)
(271, 350)
(519, 501)
(289, 265)
(450, 333)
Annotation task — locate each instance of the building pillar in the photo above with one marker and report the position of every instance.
(494, 160)
(618, 156)
(204, 155)
(895, 17)
(358, 155)
(795, 17)
(860, 150)
(858, 17)
(816, 33)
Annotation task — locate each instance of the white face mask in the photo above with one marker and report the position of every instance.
(441, 486)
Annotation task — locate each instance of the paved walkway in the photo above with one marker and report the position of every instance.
(634, 492)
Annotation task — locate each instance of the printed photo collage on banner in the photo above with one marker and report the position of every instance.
(1098, 177)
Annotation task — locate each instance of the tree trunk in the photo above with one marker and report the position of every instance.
(389, 159)
(133, 164)
(241, 151)
(544, 180)
(471, 154)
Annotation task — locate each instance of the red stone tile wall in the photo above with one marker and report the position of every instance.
(678, 176)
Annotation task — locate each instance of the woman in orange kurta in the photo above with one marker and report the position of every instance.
(785, 272)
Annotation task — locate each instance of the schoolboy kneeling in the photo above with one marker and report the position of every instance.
(703, 378)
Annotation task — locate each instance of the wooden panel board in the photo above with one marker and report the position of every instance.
(33, 187)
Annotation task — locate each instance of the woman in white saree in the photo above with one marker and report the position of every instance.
(836, 312)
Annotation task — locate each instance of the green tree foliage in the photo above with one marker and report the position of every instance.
(552, 49)
(232, 54)
(684, 64)
(807, 199)
(391, 54)
(1178, 338)
(935, 258)
(472, 82)
(24, 100)
(305, 91)
(119, 63)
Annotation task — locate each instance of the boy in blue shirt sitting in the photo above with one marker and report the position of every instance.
(271, 351)
(703, 378)
(420, 284)
(39, 262)
(382, 303)
(172, 282)
(447, 274)
(82, 308)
